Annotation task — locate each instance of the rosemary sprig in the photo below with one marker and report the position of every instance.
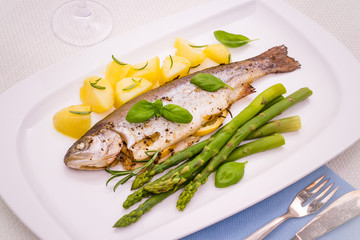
(171, 61)
(94, 85)
(192, 67)
(132, 173)
(137, 69)
(133, 85)
(195, 46)
(117, 61)
(80, 112)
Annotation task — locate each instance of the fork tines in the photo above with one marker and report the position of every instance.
(313, 189)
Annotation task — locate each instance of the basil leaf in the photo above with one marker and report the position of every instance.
(176, 114)
(230, 39)
(158, 105)
(140, 112)
(208, 82)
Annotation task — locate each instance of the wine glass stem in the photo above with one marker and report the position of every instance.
(82, 11)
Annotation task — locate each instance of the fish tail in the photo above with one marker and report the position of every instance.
(276, 60)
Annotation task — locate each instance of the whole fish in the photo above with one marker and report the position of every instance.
(114, 140)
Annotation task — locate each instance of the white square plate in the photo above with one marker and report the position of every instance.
(59, 203)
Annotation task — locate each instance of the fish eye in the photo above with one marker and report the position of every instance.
(80, 146)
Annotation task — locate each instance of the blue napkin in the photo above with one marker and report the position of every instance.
(251, 219)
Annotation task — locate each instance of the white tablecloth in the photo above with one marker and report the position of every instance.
(28, 45)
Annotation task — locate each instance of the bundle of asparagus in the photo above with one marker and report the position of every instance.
(202, 159)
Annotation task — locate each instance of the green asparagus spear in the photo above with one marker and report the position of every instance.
(272, 102)
(283, 125)
(145, 207)
(259, 145)
(141, 193)
(235, 140)
(218, 142)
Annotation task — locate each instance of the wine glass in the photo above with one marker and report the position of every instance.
(82, 22)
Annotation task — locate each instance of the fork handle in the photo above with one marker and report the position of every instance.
(266, 229)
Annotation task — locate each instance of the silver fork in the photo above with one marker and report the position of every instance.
(298, 208)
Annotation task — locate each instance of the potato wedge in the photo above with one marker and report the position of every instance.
(174, 67)
(150, 70)
(207, 63)
(219, 53)
(98, 93)
(193, 54)
(73, 121)
(115, 72)
(129, 88)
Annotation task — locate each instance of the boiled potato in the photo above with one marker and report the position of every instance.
(174, 67)
(219, 53)
(150, 72)
(129, 88)
(98, 93)
(114, 72)
(183, 49)
(207, 63)
(73, 121)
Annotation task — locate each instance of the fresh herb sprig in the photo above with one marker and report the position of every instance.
(136, 83)
(94, 85)
(197, 46)
(137, 69)
(117, 61)
(132, 173)
(230, 39)
(80, 112)
(171, 61)
(144, 110)
(208, 82)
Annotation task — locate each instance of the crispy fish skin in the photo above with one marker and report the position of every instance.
(102, 144)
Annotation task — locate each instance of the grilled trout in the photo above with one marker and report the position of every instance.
(114, 140)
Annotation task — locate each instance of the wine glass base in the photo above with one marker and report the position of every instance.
(81, 25)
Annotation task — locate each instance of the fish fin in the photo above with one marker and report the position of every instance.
(279, 60)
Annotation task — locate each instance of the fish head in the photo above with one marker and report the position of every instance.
(94, 150)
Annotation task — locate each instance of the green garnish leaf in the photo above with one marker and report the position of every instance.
(144, 110)
(171, 61)
(158, 105)
(230, 39)
(175, 113)
(140, 112)
(117, 61)
(208, 82)
(195, 46)
(229, 58)
(133, 85)
(137, 69)
(81, 112)
(94, 84)
(229, 174)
